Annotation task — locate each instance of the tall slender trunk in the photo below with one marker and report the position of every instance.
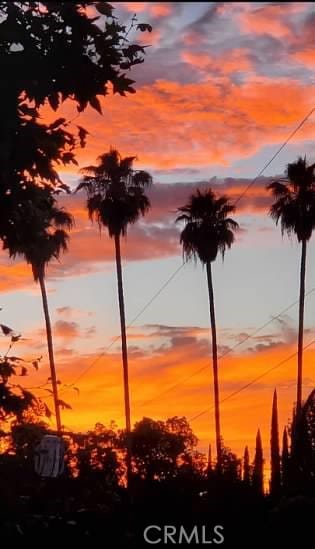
(50, 351)
(301, 330)
(215, 368)
(124, 352)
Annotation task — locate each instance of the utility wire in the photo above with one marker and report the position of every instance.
(117, 338)
(292, 134)
(298, 127)
(266, 372)
(228, 351)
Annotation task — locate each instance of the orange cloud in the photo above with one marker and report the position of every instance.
(306, 57)
(161, 10)
(171, 124)
(134, 7)
(154, 8)
(269, 19)
(14, 276)
(236, 60)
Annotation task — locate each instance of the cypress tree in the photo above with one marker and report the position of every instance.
(285, 457)
(275, 480)
(258, 472)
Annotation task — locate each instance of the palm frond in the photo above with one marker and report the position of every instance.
(62, 218)
(207, 229)
(278, 188)
(39, 229)
(115, 192)
(294, 206)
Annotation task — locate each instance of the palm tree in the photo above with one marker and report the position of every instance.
(116, 198)
(294, 207)
(38, 234)
(208, 230)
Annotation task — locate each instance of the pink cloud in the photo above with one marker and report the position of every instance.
(236, 60)
(134, 7)
(161, 10)
(153, 8)
(269, 19)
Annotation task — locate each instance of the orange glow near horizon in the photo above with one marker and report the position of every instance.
(159, 390)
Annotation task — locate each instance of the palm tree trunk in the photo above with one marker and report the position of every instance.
(215, 368)
(301, 329)
(50, 351)
(124, 352)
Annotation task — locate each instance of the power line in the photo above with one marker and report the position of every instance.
(166, 283)
(181, 266)
(228, 351)
(266, 372)
(292, 134)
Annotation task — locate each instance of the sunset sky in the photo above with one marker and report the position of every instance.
(222, 86)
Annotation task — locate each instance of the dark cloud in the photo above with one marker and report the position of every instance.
(63, 310)
(286, 336)
(204, 24)
(167, 197)
(174, 331)
(65, 329)
(90, 332)
(65, 352)
(164, 63)
(177, 337)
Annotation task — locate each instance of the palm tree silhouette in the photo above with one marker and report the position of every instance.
(116, 198)
(38, 233)
(208, 230)
(294, 207)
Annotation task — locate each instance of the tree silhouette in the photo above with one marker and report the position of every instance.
(275, 480)
(246, 469)
(285, 460)
(116, 199)
(208, 230)
(294, 207)
(158, 447)
(258, 469)
(15, 401)
(302, 457)
(51, 52)
(38, 233)
(231, 465)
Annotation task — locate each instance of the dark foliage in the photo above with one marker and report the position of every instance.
(275, 480)
(258, 467)
(208, 229)
(116, 192)
(51, 52)
(295, 200)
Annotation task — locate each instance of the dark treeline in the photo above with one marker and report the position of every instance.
(171, 483)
